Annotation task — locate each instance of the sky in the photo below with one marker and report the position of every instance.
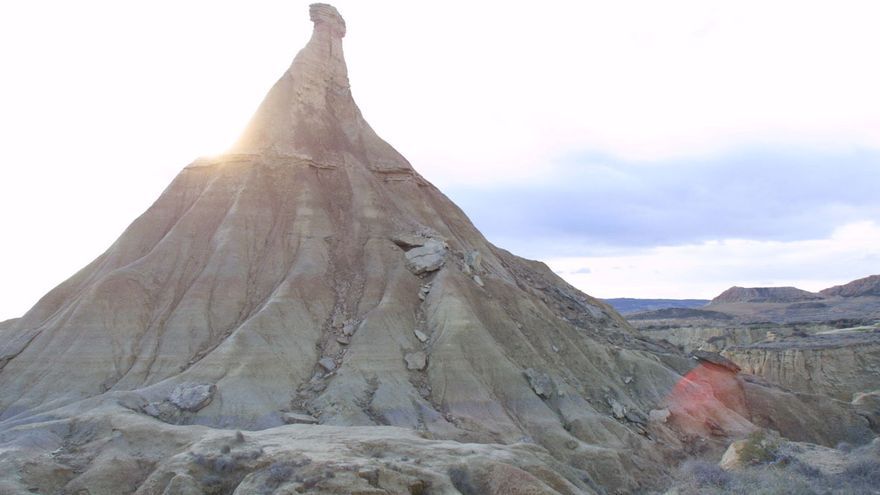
(640, 148)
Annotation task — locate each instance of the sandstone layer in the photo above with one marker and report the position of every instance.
(839, 365)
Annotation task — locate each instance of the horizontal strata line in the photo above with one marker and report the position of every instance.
(258, 158)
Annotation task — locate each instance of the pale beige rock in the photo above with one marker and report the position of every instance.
(416, 361)
(291, 418)
(327, 363)
(192, 397)
(658, 415)
(426, 258)
(732, 458)
(826, 460)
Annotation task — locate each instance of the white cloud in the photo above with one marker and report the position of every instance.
(705, 270)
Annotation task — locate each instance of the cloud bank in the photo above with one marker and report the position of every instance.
(591, 204)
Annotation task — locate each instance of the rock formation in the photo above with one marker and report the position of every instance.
(868, 286)
(839, 365)
(764, 294)
(310, 275)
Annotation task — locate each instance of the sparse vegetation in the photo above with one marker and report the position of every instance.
(278, 473)
(759, 449)
(782, 474)
(705, 474)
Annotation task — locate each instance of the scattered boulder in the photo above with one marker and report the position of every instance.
(416, 361)
(348, 328)
(327, 363)
(423, 292)
(192, 397)
(541, 383)
(421, 336)
(478, 280)
(162, 411)
(617, 409)
(408, 240)
(634, 416)
(292, 418)
(343, 339)
(659, 415)
(473, 262)
(427, 258)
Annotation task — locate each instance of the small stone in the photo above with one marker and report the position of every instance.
(152, 409)
(291, 418)
(416, 361)
(478, 280)
(318, 386)
(555, 349)
(371, 475)
(421, 336)
(571, 444)
(327, 363)
(617, 409)
(343, 339)
(627, 379)
(348, 328)
(634, 417)
(473, 260)
(658, 415)
(423, 292)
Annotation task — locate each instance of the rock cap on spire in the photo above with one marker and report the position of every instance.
(326, 16)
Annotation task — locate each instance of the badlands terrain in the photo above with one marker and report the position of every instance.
(825, 343)
(308, 314)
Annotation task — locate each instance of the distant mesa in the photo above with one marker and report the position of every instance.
(868, 286)
(764, 295)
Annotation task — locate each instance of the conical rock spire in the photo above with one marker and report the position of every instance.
(310, 112)
(312, 276)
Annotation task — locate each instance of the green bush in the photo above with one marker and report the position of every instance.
(759, 449)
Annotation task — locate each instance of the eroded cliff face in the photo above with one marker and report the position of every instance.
(839, 365)
(709, 338)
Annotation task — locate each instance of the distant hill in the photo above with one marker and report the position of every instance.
(627, 305)
(764, 295)
(868, 286)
